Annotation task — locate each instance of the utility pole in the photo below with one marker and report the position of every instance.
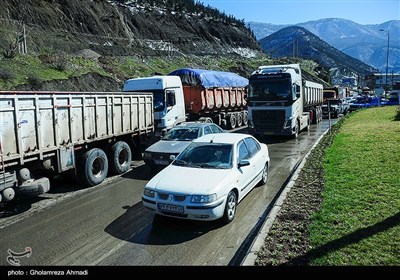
(387, 57)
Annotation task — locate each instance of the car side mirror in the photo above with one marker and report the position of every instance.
(172, 157)
(243, 162)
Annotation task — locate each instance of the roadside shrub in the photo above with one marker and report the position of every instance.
(34, 81)
(61, 63)
(397, 116)
(46, 58)
(6, 75)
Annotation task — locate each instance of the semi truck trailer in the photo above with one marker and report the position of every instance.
(86, 134)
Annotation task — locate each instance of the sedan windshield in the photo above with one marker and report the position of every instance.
(182, 134)
(206, 155)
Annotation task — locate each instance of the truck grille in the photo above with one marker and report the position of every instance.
(268, 120)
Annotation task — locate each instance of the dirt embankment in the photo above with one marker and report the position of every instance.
(287, 242)
(112, 28)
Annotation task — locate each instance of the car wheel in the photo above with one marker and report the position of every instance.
(230, 207)
(264, 178)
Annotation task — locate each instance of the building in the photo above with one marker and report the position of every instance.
(378, 80)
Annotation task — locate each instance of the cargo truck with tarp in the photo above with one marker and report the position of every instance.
(195, 95)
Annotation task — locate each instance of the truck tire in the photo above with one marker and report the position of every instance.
(34, 187)
(245, 118)
(239, 119)
(308, 126)
(93, 167)
(223, 124)
(232, 121)
(336, 114)
(7, 194)
(296, 131)
(120, 158)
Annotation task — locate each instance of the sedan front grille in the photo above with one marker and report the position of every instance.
(177, 198)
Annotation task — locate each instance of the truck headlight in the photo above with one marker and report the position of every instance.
(288, 123)
(146, 155)
(149, 192)
(204, 198)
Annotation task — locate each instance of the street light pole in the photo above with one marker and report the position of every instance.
(387, 58)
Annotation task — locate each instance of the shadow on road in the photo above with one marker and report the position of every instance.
(167, 231)
(18, 206)
(141, 172)
(137, 225)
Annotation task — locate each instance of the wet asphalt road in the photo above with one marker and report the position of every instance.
(107, 224)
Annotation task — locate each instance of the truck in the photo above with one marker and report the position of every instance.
(87, 135)
(335, 92)
(335, 107)
(188, 94)
(281, 101)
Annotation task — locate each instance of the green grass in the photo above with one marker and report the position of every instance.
(49, 65)
(30, 67)
(359, 220)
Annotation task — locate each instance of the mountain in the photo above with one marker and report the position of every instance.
(364, 42)
(86, 45)
(124, 27)
(299, 42)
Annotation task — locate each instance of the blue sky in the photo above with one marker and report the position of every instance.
(298, 11)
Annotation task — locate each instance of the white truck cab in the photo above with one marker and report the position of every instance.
(169, 105)
(280, 101)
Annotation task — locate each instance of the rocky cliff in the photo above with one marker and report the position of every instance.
(116, 28)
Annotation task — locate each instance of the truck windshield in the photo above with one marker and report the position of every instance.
(158, 100)
(332, 101)
(329, 94)
(270, 90)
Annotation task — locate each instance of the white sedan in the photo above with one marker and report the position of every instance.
(209, 178)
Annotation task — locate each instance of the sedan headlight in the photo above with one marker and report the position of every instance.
(204, 198)
(149, 192)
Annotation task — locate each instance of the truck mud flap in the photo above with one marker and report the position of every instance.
(33, 187)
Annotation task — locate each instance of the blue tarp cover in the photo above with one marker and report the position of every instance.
(209, 78)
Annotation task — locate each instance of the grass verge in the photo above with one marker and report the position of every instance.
(359, 219)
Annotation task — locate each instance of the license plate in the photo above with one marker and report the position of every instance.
(161, 162)
(170, 208)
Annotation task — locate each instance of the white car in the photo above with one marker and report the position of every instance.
(157, 156)
(209, 178)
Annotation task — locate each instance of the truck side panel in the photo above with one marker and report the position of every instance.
(313, 94)
(37, 123)
(199, 99)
